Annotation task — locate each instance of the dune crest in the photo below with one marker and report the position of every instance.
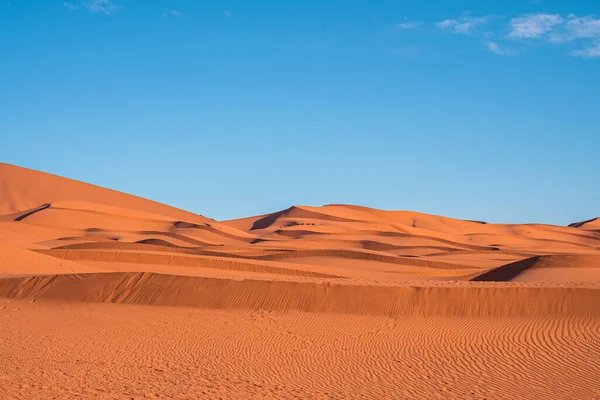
(109, 295)
(24, 189)
(92, 228)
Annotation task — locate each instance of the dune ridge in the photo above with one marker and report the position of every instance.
(24, 188)
(96, 229)
(319, 296)
(109, 295)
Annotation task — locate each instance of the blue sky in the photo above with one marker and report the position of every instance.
(471, 109)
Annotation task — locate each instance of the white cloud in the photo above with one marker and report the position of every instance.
(409, 25)
(590, 52)
(583, 27)
(528, 29)
(498, 49)
(533, 25)
(447, 23)
(576, 27)
(559, 38)
(94, 6)
(173, 13)
(463, 25)
(72, 7)
(101, 6)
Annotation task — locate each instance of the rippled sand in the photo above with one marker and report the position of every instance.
(107, 295)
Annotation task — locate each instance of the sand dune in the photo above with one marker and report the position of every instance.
(572, 268)
(24, 189)
(108, 295)
(320, 296)
(75, 350)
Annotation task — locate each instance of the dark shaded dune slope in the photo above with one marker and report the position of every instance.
(321, 297)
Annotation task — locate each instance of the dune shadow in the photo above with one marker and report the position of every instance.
(507, 272)
(27, 214)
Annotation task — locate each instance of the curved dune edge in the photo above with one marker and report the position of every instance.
(508, 272)
(71, 220)
(181, 260)
(158, 245)
(593, 223)
(49, 188)
(282, 255)
(322, 297)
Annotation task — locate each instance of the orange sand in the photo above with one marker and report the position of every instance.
(108, 295)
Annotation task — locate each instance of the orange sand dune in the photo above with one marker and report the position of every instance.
(322, 296)
(573, 268)
(108, 295)
(24, 189)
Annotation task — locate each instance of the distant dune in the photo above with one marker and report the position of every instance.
(306, 302)
(23, 189)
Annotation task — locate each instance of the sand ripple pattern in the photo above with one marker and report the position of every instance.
(73, 351)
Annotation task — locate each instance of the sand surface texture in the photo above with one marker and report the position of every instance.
(107, 295)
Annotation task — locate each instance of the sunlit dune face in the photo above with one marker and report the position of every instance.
(104, 294)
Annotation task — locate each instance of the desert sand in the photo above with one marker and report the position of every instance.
(108, 295)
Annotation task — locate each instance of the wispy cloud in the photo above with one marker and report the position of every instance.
(583, 27)
(101, 6)
(172, 13)
(590, 52)
(95, 6)
(533, 25)
(462, 25)
(498, 49)
(409, 25)
(516, 35)
(72, 7)
(587, 27)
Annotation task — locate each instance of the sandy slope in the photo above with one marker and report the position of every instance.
(75, 350)
(339, 301)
